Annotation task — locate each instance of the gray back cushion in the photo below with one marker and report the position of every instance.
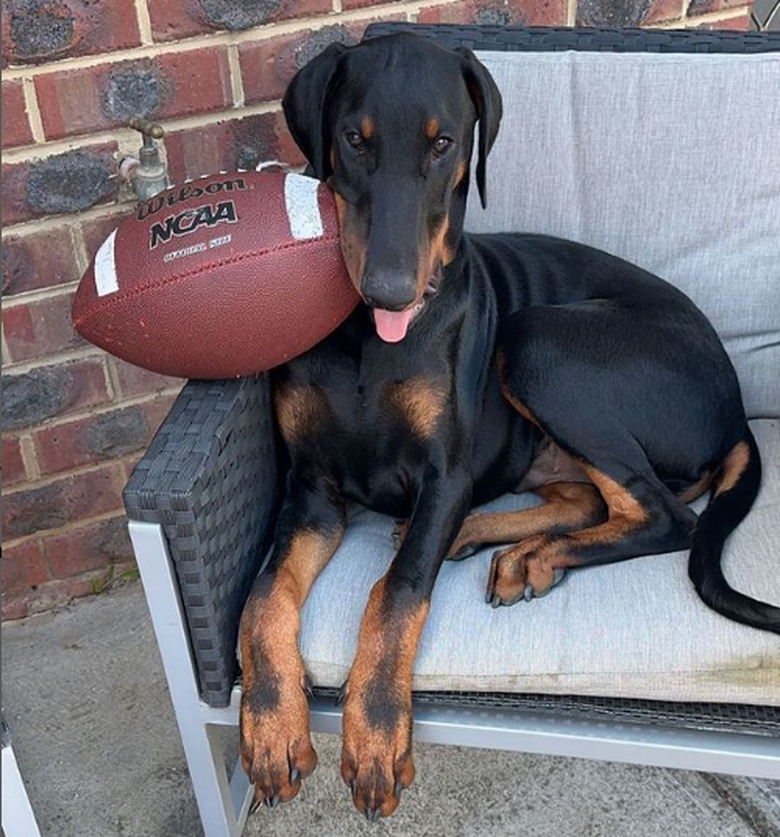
(669, 161)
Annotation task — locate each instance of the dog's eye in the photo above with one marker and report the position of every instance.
(442, 145)
(354, 139)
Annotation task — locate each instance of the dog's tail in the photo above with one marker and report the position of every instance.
(734, 490)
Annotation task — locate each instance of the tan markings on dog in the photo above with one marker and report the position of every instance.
(273, 619)
(501, 367)
(460, 173)
(274, 709)
(567, 507)
(518, 405)
(625, 512)
(353, 248)
(733, 467)
(377, 723)
(533, 561)
(421, 400)
(299, 410)
(693, 492)
(437, 254)
(367, 127)
(432, 128)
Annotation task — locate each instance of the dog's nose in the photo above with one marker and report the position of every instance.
(389, 290)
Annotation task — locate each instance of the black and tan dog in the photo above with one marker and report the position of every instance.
(477, 365)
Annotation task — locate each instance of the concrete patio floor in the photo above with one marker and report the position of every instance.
(97, 744)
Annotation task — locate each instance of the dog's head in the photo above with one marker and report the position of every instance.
(389, 125)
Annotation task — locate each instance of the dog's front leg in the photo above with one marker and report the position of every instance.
(275, 745)
(377, 756)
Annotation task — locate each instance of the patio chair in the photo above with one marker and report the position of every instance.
(657, 146)
(17, 814)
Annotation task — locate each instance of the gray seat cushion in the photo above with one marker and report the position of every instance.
(670, 161)
(635, 629)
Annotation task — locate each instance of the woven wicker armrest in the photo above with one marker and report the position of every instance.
(209, 478)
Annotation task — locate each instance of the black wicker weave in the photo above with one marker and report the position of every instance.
(210, 475)
(551, 39)
(210, 479)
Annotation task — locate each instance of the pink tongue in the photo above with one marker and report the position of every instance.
(391, 326)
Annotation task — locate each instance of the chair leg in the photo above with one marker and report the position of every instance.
(18, 817)
(223, 805)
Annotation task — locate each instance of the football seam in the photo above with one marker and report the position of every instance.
(122, 296)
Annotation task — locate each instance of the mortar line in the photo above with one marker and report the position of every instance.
(571, 13)
(23, 366)
(701, 20)
(121, 135)
(236, 78)
(42, 534)
(144, 22)
(39, 295)
(29, 457)
(261, 33)
(79, 245)
(37, 225)
(33, 111)
(6, 355)
(104, 409)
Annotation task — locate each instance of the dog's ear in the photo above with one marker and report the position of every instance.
(305, 108)
(487, 102)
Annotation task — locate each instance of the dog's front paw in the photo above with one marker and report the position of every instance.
(276, 749)
(376, 759)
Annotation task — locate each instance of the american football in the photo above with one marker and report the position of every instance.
(225, 276)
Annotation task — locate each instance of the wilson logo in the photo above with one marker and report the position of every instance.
(190, 220)
(190, 191)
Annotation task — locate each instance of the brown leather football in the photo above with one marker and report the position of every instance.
(221, 277)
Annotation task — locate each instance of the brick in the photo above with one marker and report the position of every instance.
(40, 329)
(15, 124)
(229, 145)
(267, 66)
(130, 465)
(98, 437)
(69, 182)
(89, 547)
(63, 501)
(662, 10)
(506, 13)
(176, 19)
(37, 31)
(60, 592)
(32, 397)
(39, 260)
(97, 231)
(359, 4)
(627, 13)
(133, 380)
(13, 464)
(703, 7)
(740, 23)
(101, 97)
(23, 567)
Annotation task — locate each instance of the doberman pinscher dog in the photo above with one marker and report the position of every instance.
(479, 364)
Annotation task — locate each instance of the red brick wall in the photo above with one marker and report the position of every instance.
(212, 72)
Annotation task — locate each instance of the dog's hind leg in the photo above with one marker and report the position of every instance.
(566, 507)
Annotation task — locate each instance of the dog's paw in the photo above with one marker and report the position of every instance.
(276, 749)
(376, 758)
(524, 571)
